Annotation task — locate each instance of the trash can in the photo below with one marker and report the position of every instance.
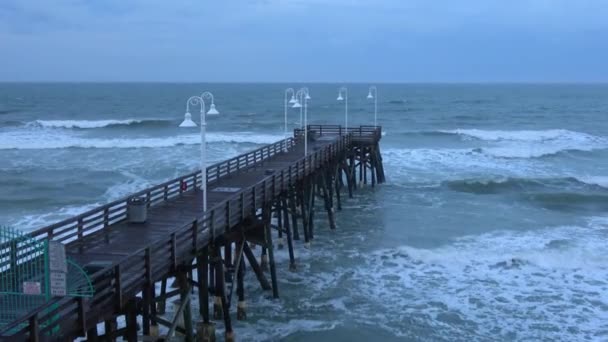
(137, 211)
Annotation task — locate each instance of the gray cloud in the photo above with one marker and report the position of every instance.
(322, 40)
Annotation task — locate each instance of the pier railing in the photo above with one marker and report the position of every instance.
(116, 284)
(359, 134)
(98, 218)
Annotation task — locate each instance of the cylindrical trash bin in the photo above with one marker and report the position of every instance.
(137, 211)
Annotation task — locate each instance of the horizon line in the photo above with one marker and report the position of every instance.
(306, 82)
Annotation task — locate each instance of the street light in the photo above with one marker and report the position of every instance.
(293, 101)
(345, 99)
(196, 100)
(303, 95)
(375, 98)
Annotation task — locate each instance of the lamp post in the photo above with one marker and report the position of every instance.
(303, 95)
(375, 97)
(292, 101)
(344, 90)
(196, 100)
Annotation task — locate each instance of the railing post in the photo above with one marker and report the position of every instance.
(80, 235)
(254, 208)
(34, 328)
(195, 236)
(82, 319)
(212, 225)
(118, 287)
(227, 228)
(173, 252)
(106, 217)
(242, 199)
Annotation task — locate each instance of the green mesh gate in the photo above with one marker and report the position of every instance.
(25, 277)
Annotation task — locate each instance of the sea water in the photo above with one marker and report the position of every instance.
(492, 224)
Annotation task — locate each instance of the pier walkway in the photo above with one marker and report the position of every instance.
(253, 199)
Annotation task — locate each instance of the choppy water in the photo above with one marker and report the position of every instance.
(492, 225)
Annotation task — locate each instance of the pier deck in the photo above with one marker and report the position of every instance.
(127, 261)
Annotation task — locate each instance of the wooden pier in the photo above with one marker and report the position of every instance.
(253, 199)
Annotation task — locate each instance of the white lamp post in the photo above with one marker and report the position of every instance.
(344, 91)
(303, 95)
(293, 101)
(196, 100)
(375, 97)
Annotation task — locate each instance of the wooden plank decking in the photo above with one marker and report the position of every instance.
(133, 255)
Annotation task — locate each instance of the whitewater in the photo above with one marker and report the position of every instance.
(492, 224)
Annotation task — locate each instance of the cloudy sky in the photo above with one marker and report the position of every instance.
(304, 40)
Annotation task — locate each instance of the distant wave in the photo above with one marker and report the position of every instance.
(397, 101)
(91, 124)
(571, 201)
(523, 135)
(513, 184)
(33, 140)
(530, 143)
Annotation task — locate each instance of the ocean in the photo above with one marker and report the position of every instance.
(492, 225)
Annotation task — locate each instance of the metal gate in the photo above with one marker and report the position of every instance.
(32, 272)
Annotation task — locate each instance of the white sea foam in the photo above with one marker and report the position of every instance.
(414, 164)
(85, 124)
(521, 135)
(517, 285)
(56, 140)
(594, 180)
(36, 221)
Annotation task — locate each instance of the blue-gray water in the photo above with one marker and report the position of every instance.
(492, 225)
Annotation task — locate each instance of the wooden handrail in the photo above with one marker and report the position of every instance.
(213, 173)
(218, 214)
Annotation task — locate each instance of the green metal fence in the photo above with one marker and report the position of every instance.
(25, 276)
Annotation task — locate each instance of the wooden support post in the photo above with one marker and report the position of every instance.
(264, 259)
(311, 209)
(184, 302)
(221, 310)
(205, 330)
(184, 286)
(372, 161)
(131, 321)
(146, 293)
(92, 335)
(353, 169)
(325, 189)
(202, 269)
(349, 178)
(219, 283)
(145, 316)
(268, 235)
(241, 309)
(110, 327)
(280, 226)
(337, 181)
(361, 164)
(228, 260)
(294, 216)
(162, 304)
(364, 161)
(153, 312)
(292, 261)
(256, 267)
(303, 203)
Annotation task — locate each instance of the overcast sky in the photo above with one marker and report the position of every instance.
(304, 40)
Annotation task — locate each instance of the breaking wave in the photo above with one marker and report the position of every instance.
(91, 124)
(26, 140)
